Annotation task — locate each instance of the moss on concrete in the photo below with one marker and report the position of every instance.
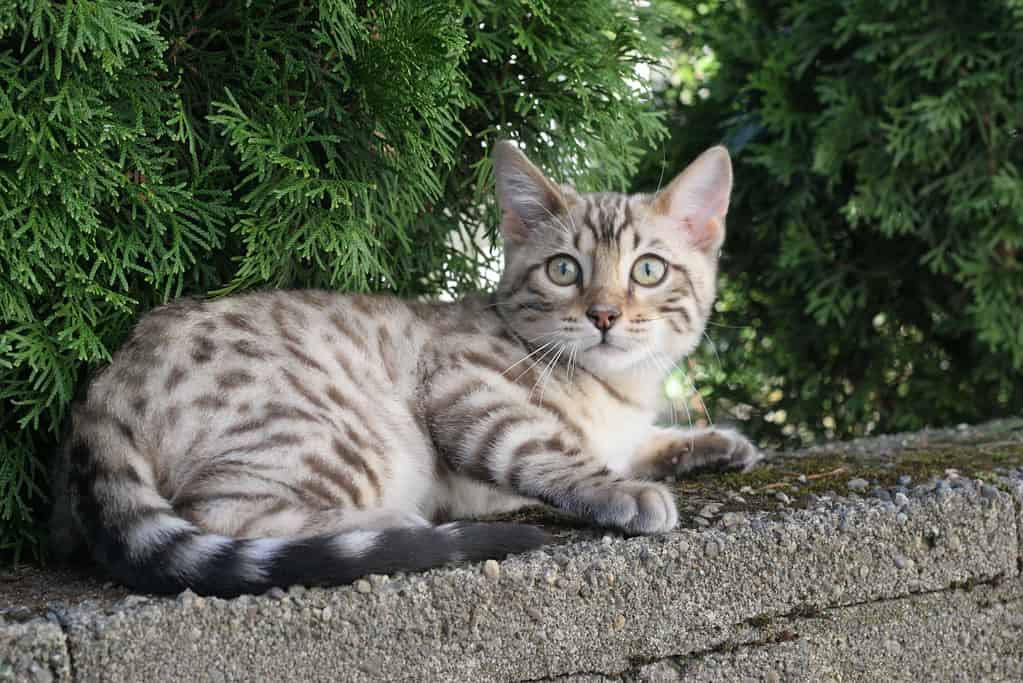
(797, 476)
(975, 454)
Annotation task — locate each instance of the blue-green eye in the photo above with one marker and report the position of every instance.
(563, 270)
(649, 270)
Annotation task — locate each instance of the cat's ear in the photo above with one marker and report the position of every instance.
(697, 199)
(525, 196)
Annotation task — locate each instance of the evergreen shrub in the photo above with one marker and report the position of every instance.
(874, 263)
(150, 150)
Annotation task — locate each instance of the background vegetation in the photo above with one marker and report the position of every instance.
(154, 149)
(872, 277)
(874, 261)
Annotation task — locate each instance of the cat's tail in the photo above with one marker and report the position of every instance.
(137, 535)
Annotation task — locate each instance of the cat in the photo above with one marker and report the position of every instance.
(311, 437)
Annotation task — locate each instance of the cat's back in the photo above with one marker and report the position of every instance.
(284, 369)
(227, 340)
(208, 356)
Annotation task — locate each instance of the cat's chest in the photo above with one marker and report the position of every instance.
(615, 430)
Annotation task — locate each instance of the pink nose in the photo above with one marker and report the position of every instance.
(603, 316)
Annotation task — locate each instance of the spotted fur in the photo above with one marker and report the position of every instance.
(313, 437)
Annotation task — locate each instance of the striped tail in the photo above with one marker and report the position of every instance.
(136, 534)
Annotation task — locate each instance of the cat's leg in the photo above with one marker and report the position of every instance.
(528, 450)
(677, 452)
(558, 472)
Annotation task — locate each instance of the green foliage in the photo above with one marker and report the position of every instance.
(874, 263)
(154, 149)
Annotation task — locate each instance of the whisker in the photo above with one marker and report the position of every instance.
(668, 365)
(551, 375)
(671, 401)
(557, 220)
(550, 348)
(571, 220)
(548, 372)
(664, 162)
(689, 415)
(714, 348)
(553, 365)
(541, 336)
(692, 386)
(526, 357)
(699, 397)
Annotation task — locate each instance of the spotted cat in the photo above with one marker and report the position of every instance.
(312, 437)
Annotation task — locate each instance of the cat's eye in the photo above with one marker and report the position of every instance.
(563, 270)
(649, 270)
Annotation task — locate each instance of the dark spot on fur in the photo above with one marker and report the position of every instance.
(126, 431)
(203, 349)
(244, 427)
(239, 322)
(172, 415)
(175, 377)
(210, 402)
(232, 379)
(247, 348)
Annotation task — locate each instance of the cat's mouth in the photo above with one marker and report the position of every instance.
(606, 346)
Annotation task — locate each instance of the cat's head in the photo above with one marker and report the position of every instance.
(623, 280)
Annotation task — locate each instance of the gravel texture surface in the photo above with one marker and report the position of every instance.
(34, 651)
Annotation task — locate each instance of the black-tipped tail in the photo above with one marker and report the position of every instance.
(217, 565)
(333, 560)
(137, 535)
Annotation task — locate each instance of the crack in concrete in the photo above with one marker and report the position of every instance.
(784, 635)
(803, 612)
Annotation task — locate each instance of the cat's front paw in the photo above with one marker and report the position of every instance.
(745, 455)
(713, 449)
(637, 507)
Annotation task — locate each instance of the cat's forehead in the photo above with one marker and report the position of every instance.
(610, 220)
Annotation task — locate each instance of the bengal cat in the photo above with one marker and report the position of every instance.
(312, 437)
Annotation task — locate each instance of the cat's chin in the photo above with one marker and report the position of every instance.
(605, 357)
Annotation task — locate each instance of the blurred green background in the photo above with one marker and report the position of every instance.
(872, 276)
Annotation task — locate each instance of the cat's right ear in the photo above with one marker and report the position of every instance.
(526, 197)
(697, 199)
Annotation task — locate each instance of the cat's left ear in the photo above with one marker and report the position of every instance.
(526, 197)
(697, 199)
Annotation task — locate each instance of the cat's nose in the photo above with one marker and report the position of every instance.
(603, 316)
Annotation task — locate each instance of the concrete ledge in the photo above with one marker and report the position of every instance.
(914, 580)
(584, 606)
(35, 651)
